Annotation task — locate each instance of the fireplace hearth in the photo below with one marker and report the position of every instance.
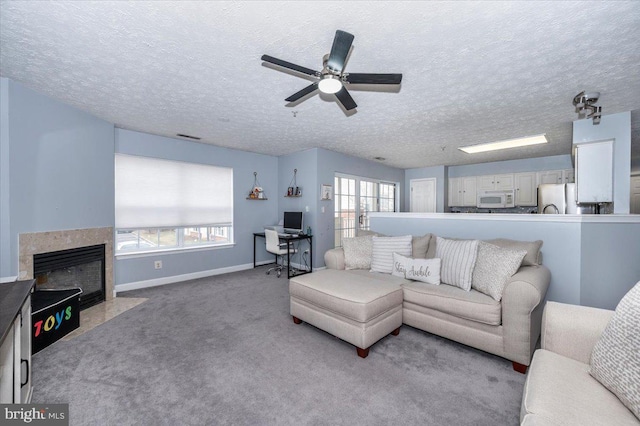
(82, 267)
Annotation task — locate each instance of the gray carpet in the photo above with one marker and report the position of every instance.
(224, 350)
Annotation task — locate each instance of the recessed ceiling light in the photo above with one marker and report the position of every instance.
(509, 143)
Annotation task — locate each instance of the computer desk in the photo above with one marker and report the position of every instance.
(290, 238)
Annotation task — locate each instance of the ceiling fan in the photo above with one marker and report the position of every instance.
(332, 78)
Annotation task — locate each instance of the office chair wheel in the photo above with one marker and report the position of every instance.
(279, 272)
(268, 272)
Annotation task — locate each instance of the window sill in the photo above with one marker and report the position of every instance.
(171, 250)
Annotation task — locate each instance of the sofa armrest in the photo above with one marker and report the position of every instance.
(334, 258)
(573, 330)
(522, 303)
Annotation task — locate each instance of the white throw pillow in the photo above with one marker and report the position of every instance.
(615, 359)
(458, 258)
(357, 252)
(383, 249)
(424, 270)
(494, 267)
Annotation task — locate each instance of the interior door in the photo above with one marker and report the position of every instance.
(423, 195)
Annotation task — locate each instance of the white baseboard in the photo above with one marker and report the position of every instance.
(184, 277)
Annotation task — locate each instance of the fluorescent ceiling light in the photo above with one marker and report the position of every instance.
(509, 143)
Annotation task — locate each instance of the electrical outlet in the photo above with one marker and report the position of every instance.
(158, 264)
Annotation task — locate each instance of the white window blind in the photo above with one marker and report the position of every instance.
(153, 193)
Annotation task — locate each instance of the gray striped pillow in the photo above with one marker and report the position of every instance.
(383, 249)
(458, 259)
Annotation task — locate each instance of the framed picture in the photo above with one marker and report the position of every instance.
(298, 191)
(326, 191)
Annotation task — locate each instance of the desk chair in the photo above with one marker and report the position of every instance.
(274, 247)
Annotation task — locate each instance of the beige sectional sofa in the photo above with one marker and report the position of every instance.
(559, 389)
(509, 328)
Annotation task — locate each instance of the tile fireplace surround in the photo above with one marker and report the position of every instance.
(44, 242)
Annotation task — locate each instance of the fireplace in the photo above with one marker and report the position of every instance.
(82, 267)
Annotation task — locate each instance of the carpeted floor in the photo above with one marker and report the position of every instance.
(224, 350)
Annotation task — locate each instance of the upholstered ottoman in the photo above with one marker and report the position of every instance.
(357, 308)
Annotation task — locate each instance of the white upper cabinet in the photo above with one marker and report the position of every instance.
(556, 176)
(550, 176)
(462, 191)
(493, 182)
(526, 189)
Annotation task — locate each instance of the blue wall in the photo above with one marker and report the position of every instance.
(249, 216)
(330, 163)
(5, 223)
(591, 263)
(61, 169)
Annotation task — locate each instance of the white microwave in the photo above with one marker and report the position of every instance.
(500, 199)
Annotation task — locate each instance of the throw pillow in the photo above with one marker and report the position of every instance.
(615, 359)
(494, 267)
(424, 270)
(419, 246)
(532, 247)
(383, 249)
(458, 258)
(357, 252)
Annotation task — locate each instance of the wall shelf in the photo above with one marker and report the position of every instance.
(256, 192)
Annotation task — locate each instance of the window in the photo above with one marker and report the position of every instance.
(371, 195)
(162, 204)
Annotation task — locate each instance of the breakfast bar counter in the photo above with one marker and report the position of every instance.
(593, 258)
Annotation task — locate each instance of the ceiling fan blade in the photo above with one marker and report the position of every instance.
(358, 78)
(289, 65)
(339, 51)
(345, 99)
(304, 92)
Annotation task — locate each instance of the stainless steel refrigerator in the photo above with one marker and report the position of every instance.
(557, 199)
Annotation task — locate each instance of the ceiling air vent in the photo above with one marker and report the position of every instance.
(195, 138)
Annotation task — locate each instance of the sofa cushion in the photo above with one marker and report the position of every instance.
(615, 360)
(560, 391)
(532, 248)
(383, 249)
(471, 305)
(458, 257)
(420, 246)
(357, 297)
(423, 270)
(357, 252)
(494, 267)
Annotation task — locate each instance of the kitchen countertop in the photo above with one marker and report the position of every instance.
(12, 297)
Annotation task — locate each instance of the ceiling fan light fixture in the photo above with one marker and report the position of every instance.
(330, 84)
(509, 143)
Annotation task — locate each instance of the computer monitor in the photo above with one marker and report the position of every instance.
(292, 222)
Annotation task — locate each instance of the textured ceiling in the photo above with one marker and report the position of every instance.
(473, 72)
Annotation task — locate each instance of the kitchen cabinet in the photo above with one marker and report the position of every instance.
(495, 182)
(556, 176)
(15, 345)
(568, 176)
(462, 191)
(526, 189)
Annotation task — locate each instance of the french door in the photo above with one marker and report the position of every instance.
(355, 197)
